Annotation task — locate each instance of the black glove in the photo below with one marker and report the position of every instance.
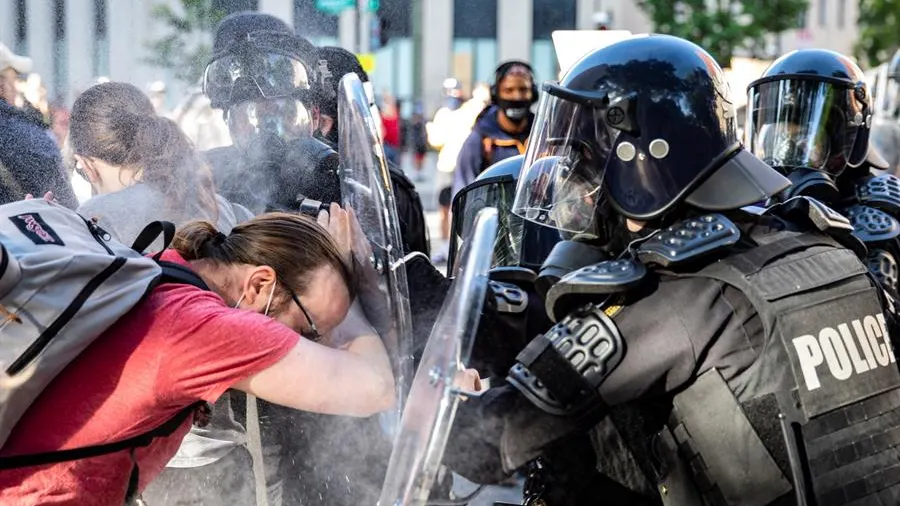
(427, 290)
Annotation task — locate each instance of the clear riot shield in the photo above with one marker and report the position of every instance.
(433, 398)
(366, 189)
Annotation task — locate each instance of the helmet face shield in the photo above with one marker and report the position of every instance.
(494, 192)
(562, 178)
(256, 68)
(809, 124)
(518, 243)
(286, 119)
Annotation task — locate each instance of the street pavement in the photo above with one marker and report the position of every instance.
(428, 191)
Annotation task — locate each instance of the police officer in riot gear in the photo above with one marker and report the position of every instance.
(268, 84)
(333, 64)
(264, 79)
(719, 356)
(544, 252)
(809, 118)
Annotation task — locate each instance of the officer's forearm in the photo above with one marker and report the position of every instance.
(473, 450)
(500, 432)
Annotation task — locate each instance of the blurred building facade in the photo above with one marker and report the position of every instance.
(74, 42)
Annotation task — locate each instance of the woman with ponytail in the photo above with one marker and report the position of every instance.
(277, 323)
(141, 166)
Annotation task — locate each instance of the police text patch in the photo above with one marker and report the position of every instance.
(35, 228)
(840, 352)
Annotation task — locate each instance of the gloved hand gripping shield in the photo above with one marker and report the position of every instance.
(366, 189)
(433, 398)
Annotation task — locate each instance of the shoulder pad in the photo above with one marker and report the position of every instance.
(871, 225)
(513, 274)
(561, 370)
(689, 239)
(883, 266)
(811, 211)
(509, 297)
(881, 191)
(600, 279)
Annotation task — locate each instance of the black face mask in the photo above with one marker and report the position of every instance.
(515, 110)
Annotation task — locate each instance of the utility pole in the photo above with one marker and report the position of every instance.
(416, 19)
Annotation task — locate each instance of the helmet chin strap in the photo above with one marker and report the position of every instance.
(811, 183)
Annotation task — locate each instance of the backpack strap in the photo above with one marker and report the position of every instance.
(171, 273)
(150, 233)
(141, 440)
(174, 273)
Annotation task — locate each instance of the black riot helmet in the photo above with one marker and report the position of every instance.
(264, 77)
(810, 111)
(519, 243)
(333, 63)
(643, 125)
(257, 56)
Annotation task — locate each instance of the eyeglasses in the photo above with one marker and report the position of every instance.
(313, 333)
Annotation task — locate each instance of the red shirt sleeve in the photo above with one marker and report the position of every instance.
(211, 347)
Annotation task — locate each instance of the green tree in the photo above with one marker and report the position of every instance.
(186, 47)
(724, 27)
(879, 24)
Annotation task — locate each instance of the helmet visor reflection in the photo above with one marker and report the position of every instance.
(285, 118)
(253, 75)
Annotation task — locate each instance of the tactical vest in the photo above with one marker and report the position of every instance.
(828, 434)
(839, 423)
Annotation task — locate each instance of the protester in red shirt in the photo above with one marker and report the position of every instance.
(390, 124)
(182, 344)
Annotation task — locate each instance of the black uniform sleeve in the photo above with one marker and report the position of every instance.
(670, 337)
(667, 335)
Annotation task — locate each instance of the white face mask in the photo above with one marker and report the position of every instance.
(268, 302)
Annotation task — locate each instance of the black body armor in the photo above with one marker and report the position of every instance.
(812, 420)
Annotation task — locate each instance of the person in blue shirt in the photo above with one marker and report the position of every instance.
(502, 129)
